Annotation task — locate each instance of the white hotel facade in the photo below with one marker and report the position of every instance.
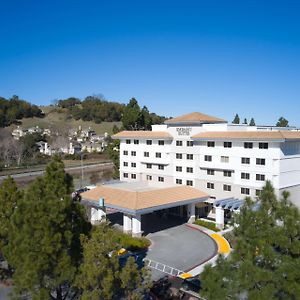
(224, 160)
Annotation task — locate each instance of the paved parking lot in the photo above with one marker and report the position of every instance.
(173, 243)
(180, 247)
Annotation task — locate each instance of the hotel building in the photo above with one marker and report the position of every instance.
(223, 160)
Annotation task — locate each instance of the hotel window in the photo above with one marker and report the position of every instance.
(133, 176)
(161, 179)
(245, 175)
(149, 142)
(149, 166)
(207, 158)
(178, 155)
(161, 142)
(178, 181)
(136, 142)
(178, 143)
(263, 145)
(245, 191)
(257, 193)
(125, 175)
(260, 161)
(189, 143)
(133, 165)
(210, 144)
(225, 159)
(125, 164)
(189, 182)
(245, 160)
(125, 152)
(210, 172)
(227, 187)
(189, 170)
(158, 155)
(161, 167)
(227, 173)
(260, 177)
(227, 144)
(178, 169)
(133, 153)
(146, 154)
(128, 141)
(210, 185)
(248, 145)
(190, 156)
(149, 177)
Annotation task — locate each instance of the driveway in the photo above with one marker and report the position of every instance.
(180, 247)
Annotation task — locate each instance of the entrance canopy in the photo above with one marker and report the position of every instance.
(138, 198)
(231, 204)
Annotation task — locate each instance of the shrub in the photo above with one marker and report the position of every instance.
(209, 225)
(132, 243)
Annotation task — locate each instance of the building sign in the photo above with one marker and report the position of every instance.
(184, 130)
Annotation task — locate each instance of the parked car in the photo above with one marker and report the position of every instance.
(192, 284)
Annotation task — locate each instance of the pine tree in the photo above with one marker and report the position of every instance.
(245, 121)
(282, 122)
(236, 119)
(44, 244)
(252, 122)
(265, 261)
(9, 198)
(101, 275)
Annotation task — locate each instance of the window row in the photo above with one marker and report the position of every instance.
(159, 178)
(188, 156)
(247, 145)
(188, 169)
(188, 143)
(188, 182)
(244, 160)
(227, 188)
(148, 142)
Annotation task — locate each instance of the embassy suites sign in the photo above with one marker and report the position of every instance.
(184, 130)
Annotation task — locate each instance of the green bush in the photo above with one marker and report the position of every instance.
(132, 243)
(209, 225)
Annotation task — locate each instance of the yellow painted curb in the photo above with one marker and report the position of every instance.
(223, 245)
(185, 275)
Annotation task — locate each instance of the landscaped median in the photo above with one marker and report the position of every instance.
(223, 245)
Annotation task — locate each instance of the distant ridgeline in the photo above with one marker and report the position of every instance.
(94, 108)
(14, 109)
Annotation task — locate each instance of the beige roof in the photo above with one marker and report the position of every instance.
(249, 135)
(195, 117)
(143, 134)
(133, 200)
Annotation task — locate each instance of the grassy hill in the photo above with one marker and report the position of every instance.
(60, 117)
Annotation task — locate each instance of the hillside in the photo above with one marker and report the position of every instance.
(60, 118)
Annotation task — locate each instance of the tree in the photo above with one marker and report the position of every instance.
(266, 258)
(245, 121)
(282, 122)
(101, 276)
(44, 243)
(236, 119)
(252, 122)
(9, 198)
(131, 115)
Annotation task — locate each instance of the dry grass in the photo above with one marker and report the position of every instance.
(59, 118)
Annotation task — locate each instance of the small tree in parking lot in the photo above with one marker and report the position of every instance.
(101, 276)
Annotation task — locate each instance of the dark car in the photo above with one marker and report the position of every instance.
(192, 284)
(138, 257)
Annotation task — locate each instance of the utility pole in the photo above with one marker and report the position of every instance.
(81, 159)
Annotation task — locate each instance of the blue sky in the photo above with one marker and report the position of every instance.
(175, 57)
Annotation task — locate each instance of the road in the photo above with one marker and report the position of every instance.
(70, 170)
